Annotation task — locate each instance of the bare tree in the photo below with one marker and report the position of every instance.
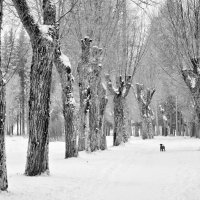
(129, 55)
(183, 18)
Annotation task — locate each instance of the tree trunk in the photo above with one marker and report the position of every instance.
(123, 87)
(119, 126)
(94, 81)
(3, 170)
(22, 83)
(83, 85)
(17, 124)
(64, 69)
(20, 122)
(102, 106)
(144, 98)
(40, 83)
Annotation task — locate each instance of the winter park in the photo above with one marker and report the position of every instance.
(100, 100)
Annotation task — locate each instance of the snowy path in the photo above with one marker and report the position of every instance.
(137, 170)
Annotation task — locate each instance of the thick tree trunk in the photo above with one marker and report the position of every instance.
(192, 80)
(3, 170)
(94, 81)
(147, 128)
(119, 133)
(83, 85)
(93, 136)
(40, 83)
(119, 125)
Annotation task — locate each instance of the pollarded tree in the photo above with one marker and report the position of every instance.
(144, 98)
(94, 81)
(90, 86)
(41, 37)
(119, 94)
(82, 70)
(3, 170)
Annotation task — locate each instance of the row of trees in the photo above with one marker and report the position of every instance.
(60, 27)
(45, 39)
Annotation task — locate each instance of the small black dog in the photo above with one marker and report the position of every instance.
(162, 147)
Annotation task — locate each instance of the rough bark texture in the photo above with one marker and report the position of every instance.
(3, 170)
(83, 85)
(102, 106)
(123, 87)
(66, 79)
(40, 83)
(94, 79)
(144, 99)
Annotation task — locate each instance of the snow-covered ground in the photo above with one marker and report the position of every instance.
(136, 170)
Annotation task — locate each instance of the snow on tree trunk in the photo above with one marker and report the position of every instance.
(64, 69)
(94, 79)
(40, 84)
(145, 111)
(192, 80)
(83, 85)
(123, 87)
(3, 170)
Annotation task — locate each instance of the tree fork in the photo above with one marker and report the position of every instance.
(123, 88)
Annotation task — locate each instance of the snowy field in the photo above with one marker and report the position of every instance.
(134, 171)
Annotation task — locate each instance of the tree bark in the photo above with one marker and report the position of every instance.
(83, 85)
(40, 83)
(102, 106)
(3, 170)
(94, 80)
(64, 69)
